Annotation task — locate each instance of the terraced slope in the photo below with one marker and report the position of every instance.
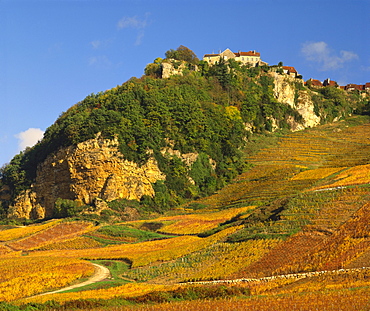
(302, 206)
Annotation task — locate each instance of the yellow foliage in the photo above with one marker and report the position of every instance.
(218, 261)
(349, 300)
(197, 223)
(59, 232)
(233, 113)
(146, 252)
(318, 173)
(4, 250)
(127, 290)
(230, 258)
(25, 276)
(274, 175)
(356, 175)
(330, 281)
(17, 233)
(76, 243)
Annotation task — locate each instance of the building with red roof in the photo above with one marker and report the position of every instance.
(328, 82)
(314, 83)
(291, 71)
(251, 58)
(357, 87)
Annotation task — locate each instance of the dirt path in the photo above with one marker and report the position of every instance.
(101, 273)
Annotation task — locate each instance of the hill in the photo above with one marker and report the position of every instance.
(290, 232)
(226, 186)
(162, 142)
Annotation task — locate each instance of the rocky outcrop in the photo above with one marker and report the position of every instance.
(286, 92)
(26, 206)
(187, 158)
(172, 67)
(169, 69)
(305, 108)
(92, 169)
(284, 89)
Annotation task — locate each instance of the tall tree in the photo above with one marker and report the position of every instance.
(183, 53)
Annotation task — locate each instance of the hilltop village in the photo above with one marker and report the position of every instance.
(253, 59)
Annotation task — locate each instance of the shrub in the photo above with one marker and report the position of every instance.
(67, 208)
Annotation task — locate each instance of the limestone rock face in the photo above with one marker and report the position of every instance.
(169, 70)
(305, 107)
(26, 206)
(174, 67)
(92, 169)
(284, 90)
(187, 158)
(301, 100)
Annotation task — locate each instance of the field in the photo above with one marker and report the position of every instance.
(195, 223)
(42, 274)
(301, 207)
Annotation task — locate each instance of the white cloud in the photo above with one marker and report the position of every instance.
(101, 44)
(132, 22)
(139, 38)
(136, 23)
(102, 62)
(29, 137)
(319, 52)
(347, 55)
(95, 44)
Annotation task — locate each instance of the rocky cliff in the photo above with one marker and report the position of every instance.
(287, 92)
(92, 169)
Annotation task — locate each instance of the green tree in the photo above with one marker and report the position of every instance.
(221, 71)
(67, 208)
(182, 53)
(153, 70)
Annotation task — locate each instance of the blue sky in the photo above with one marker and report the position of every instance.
(53, 53)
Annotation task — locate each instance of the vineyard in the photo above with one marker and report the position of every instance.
(302, 206)
(22, 277)
(192, 224)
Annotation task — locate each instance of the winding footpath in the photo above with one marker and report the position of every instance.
(101, 273)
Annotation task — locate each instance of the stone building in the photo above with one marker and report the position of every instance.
(252, 58)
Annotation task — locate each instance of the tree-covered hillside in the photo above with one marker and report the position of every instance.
(203, 111)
